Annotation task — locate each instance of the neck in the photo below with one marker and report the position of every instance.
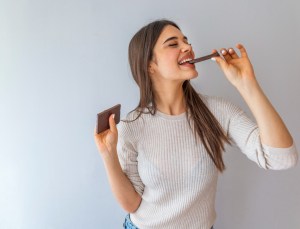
(170, 99)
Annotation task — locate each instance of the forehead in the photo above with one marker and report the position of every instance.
(169, 31)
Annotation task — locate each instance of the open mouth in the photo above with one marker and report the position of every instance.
(185, 61)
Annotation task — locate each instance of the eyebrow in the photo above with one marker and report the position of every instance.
(174, 38)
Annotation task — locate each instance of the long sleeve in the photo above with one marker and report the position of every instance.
(128, 158)
(245, 134)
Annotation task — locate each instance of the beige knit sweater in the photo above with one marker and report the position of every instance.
(175, 177)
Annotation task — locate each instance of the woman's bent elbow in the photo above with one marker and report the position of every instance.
(287, 165)
(133, 206)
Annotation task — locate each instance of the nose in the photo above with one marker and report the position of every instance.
(186, 47)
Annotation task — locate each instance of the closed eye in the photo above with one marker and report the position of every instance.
(173, 45)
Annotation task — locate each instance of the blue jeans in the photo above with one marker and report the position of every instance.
(129, 225)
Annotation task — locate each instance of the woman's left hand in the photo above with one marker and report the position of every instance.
(238, 70)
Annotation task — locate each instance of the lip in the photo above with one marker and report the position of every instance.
(186, 57)
(187, 65)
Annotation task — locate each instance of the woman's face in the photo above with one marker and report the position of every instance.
(171, 48)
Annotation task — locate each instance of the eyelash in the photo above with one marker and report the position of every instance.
(173, 45)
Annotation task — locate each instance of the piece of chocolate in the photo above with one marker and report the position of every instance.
(203, 58)
(103, 118)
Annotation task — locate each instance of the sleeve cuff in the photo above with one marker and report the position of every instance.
(288, 150)
(280, 158)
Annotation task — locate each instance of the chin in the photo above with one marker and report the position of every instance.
(193, 76)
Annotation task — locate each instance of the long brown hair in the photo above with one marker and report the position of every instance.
(206, 126)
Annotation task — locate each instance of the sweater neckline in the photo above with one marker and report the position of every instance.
(171, 117)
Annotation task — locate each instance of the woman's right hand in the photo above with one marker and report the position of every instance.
(107, 140)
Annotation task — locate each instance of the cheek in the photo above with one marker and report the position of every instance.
(169, 69)
(171, 56)
(169, 64)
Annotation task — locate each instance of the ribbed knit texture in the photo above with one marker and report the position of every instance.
(175, 175)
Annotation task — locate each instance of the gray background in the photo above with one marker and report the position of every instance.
(62, 62)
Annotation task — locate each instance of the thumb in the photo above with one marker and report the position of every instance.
(218, 59)
(112, 123)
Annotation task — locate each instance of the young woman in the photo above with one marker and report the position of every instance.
(163, 161)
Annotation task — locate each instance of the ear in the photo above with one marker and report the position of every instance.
(151, 68)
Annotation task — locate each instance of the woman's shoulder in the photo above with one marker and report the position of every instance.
(220, 104)
(131, 124)
(213, 100)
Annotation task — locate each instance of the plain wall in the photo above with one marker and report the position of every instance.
(62, 62)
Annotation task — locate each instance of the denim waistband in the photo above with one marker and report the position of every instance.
(128, 224)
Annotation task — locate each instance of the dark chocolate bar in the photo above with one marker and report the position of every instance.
(203, 58)
(103, 118)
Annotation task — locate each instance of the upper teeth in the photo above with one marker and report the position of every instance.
(185, 60)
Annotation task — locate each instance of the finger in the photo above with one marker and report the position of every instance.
(96, 135)
(225, 54)
(222, 63)
(95, 132)
(112, 123)
(101, 134)
(233, 53)
(242, 50)
(214, 51)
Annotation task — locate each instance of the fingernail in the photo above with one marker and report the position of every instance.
(213, 59)
(113, 116)
(231, 50)
(223, 52)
